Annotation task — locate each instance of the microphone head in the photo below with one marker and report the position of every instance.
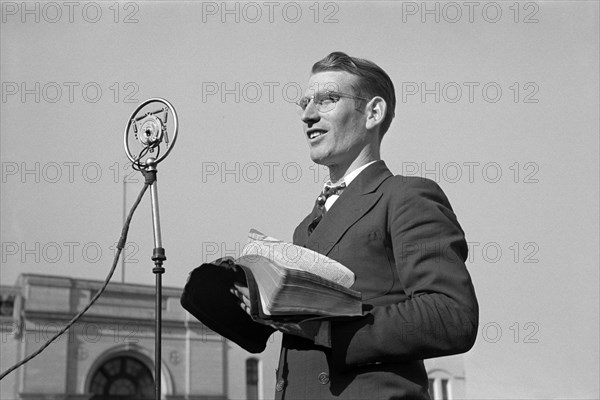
(149, 130)
(155, 128)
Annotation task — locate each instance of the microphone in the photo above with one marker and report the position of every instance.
(149, 128)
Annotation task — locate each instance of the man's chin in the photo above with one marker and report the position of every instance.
(318, 158)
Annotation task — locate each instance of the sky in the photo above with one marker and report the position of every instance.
(497, 102)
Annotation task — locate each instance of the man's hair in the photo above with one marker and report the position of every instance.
(372, 80)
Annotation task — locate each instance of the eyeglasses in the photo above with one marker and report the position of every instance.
(325, 101)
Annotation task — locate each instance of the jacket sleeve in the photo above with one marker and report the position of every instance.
(438, 313)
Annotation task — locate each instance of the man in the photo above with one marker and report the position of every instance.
(398, 235)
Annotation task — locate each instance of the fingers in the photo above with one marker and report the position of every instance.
(242, 289)
(243, 294)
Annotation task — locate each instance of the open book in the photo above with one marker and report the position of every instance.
(293, 280)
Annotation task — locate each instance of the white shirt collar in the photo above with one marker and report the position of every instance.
(350, 177)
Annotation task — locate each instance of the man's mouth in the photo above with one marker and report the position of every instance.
(315, 133)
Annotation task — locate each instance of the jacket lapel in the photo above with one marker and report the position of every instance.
(354, 202)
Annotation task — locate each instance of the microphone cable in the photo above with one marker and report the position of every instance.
(150, 177)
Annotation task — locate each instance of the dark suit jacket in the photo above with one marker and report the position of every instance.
(402, 240)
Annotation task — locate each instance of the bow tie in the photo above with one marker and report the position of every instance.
(329, 191)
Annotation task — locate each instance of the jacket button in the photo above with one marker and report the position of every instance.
(280, 385)
(323, 378)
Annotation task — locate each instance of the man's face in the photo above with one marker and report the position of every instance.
(338, 135)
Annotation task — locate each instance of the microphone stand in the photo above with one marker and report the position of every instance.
(158, 256)
(150, 130)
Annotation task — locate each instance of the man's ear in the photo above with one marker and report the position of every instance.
(376, 111)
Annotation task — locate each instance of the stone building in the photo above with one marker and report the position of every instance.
(109, 352)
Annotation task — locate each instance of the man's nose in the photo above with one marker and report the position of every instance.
(310, 115)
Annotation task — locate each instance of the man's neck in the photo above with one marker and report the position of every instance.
(337, 172)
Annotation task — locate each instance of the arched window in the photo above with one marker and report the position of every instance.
(121, 378)
(252, 378)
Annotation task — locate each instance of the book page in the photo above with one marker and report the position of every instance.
(292, 256)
